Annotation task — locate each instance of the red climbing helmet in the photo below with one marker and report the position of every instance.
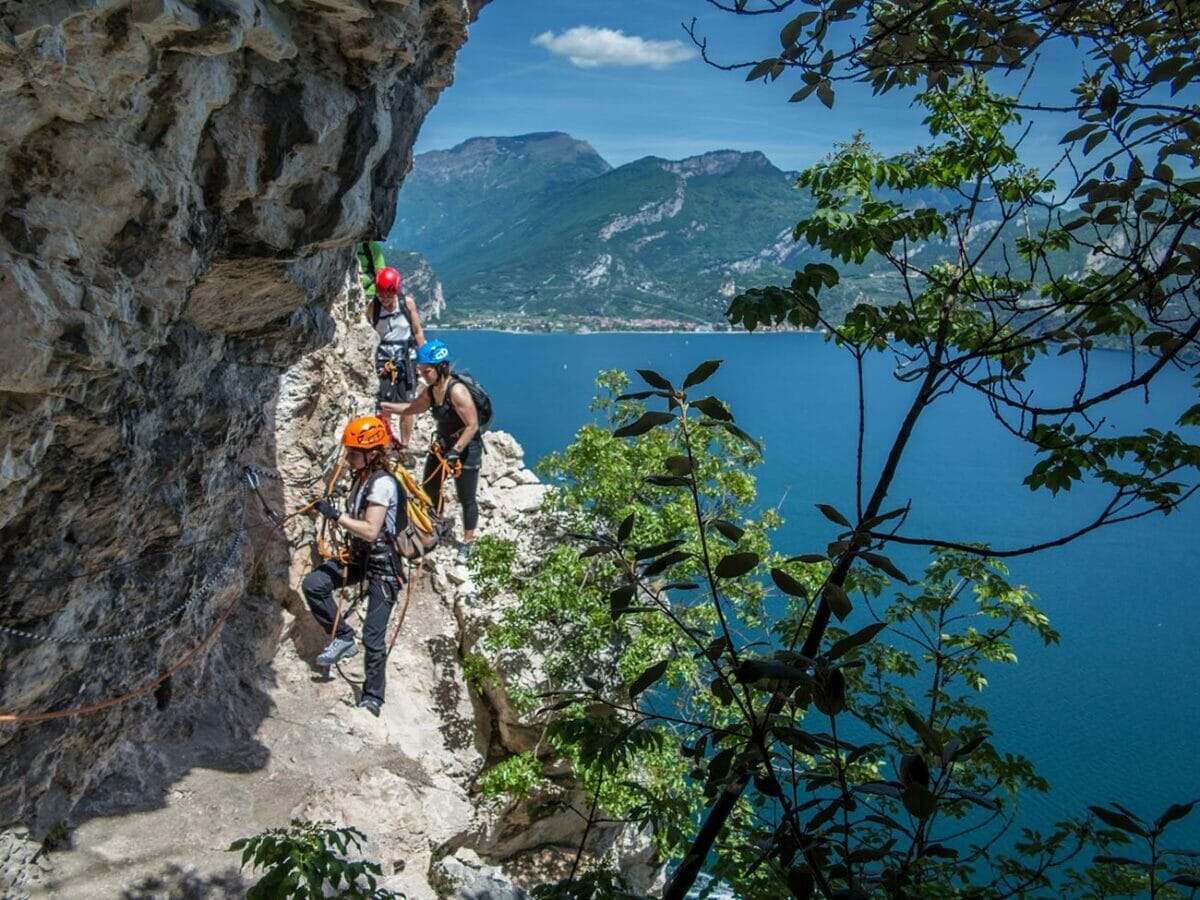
(387, 281)
(365, 433)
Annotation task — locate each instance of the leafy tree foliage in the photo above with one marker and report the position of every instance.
(672, 676)
(849, 761)
(306, 860)
(981, 317)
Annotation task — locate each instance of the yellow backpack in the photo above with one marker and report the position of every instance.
(426, 528)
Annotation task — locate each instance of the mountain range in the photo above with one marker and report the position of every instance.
(539, 228)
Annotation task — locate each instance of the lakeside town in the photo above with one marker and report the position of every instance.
(576, 324)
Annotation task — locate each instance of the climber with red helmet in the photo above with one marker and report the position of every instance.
(394, 317)
(376, 510)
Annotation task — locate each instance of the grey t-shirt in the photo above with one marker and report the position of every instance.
(393, 327)
(383, 491)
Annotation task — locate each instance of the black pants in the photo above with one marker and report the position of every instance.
(465, 485)
(383, 585)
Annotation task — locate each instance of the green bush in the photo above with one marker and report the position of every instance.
(306, 859)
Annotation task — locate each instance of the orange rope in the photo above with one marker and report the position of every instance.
(444, 468)
(147, 688)
(404, 609)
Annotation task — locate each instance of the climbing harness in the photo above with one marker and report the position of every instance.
(445, 467)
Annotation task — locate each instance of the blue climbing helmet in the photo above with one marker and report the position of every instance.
(433, 352)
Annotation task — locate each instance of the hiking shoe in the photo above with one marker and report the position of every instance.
(373, 705)
(464, 553)
(339, 648)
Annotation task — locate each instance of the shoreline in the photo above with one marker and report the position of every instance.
(567, 333)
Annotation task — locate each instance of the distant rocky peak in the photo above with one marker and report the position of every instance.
(551, 148)
(719, 162)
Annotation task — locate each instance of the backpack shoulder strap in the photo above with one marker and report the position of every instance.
(400, 493)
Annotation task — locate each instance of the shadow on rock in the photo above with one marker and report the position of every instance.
(457, 730)
(178, 883)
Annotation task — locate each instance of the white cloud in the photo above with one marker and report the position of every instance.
(590, 48)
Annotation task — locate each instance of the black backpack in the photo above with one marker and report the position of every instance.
(483, 403)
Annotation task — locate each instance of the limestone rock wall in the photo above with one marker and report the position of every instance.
(180, 182)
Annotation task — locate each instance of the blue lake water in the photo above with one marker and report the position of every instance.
(1112, 712)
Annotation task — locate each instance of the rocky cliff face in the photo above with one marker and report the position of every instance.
(179, 184)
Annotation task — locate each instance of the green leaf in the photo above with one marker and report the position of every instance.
(1094, 141)
(645, 423)
(857, 639)
(716, 647)
(940, 851)
(1106, 860)
(839, 602)
(870, 523)
(1174, 813)
(927, 735)
(642, 395)
(829, 692)
(619, 600)
(657, 549)
(713, 408)
(680, 465)
(731, 531)
(701, 373)
(757, 669)
(791, 31)
(918, 801)
(808, 558)
(653, 379)
(648, 678)
(800, 883)
(664, 562)
(825, 93)
(668, 480)
(833, 515)
(625, 528)
(736, 564)
(882, 788)
(1187, 881)
(1076, 133)
(978, 799)
(797, 739)
(767, 786)
(1118, 820)
(762, 69)
(788, 584)
(741, 435)
(882, 562)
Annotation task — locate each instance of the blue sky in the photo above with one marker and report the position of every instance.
(623, 75)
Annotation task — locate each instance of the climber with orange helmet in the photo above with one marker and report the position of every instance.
(394, 317)
(376, 510)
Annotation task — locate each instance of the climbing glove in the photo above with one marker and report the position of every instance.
(454, 463)
(328, 510)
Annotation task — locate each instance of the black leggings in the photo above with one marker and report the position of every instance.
(383, 584)
(465, 486)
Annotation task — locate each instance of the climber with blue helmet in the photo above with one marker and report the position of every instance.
(458, 447)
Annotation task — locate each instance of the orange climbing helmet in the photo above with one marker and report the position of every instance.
(387, 280)
(365, 433)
